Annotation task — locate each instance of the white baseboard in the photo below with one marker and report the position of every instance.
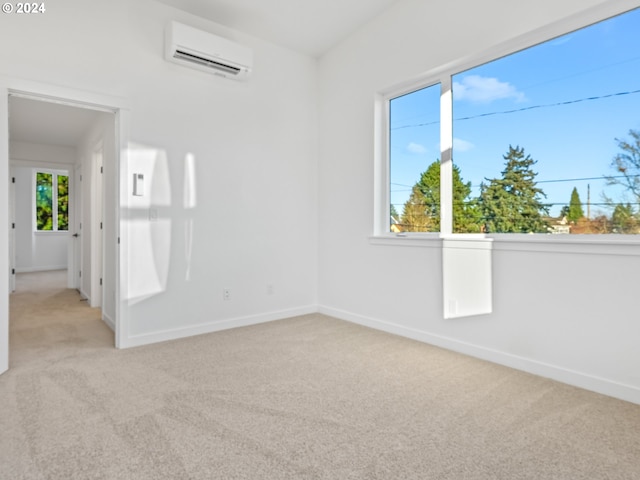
(604, 386)
(109, 321)
(39, 269)
(174, 334)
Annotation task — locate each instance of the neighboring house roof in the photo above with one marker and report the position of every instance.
(395, 226)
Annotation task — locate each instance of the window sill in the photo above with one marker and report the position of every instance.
(407, 240)
(577, 244)
(626, 245)
(46, 233)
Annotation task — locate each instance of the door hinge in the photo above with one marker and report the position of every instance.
(13, 179)
(100, 281)
(13, 271)
(80, 274)
(13, 225)
(100, 225)
(101, 169)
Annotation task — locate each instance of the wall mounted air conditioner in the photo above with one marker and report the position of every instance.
(204, 51)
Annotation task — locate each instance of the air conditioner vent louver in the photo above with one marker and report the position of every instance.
(207, 52)
(206, 62)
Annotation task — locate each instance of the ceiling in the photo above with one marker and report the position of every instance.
(308, 26)
(43, 122)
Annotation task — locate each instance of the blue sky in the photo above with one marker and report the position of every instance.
(569, 142)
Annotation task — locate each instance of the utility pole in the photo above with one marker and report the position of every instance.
(589, 201)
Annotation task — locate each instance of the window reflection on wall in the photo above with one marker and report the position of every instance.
(149, 224)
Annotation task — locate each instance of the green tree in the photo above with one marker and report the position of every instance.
(575, 212)
(416, 215)
(466, 214)
(393, 212)
(63, 202)
(627, 164)
(421, 213)
(512, 204)
(624, 219)
(44, 201)
(564, 211)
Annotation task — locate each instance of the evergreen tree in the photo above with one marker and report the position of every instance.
(512, 204)
(393, 212)
(466, 215)
(624, 219)
(575, 212)
(564, 211)
(63, 202)
(44, 201)
(421, 212)
(415, 214)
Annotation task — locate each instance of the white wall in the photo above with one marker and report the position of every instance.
(246, 217)
(570, 313)
(101, 134)
(37, 251)
(254, 151)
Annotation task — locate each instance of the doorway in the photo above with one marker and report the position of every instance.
(42, 131)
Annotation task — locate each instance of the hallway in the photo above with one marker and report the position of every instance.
(48, 321)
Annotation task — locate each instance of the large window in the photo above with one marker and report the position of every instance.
(414, 167)
(52, 201)
(545, 140)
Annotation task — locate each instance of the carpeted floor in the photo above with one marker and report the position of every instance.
(305, 398)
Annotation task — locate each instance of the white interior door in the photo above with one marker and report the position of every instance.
(74, 259)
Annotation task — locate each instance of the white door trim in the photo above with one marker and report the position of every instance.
(4, 231)
(97, 230)
(75, 260)
(78, 98)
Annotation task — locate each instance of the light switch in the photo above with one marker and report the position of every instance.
(138, 184)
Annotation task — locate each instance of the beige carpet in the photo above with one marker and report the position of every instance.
(305, 398)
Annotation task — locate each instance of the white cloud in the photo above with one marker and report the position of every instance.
(561, 40)
(460, 145)
(417, 148)
(479, 89)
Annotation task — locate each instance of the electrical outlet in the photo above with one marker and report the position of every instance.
(226, 294)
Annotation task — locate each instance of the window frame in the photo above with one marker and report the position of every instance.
(54, 199)
(443, 75)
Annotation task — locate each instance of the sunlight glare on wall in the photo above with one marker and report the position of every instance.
(149, 226)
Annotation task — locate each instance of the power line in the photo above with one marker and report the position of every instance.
(581, 73)
(558, 180)
(561, 180)
(400, 185)
(549, 204)
(523, 109)
(603, 177)
(558, 104)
